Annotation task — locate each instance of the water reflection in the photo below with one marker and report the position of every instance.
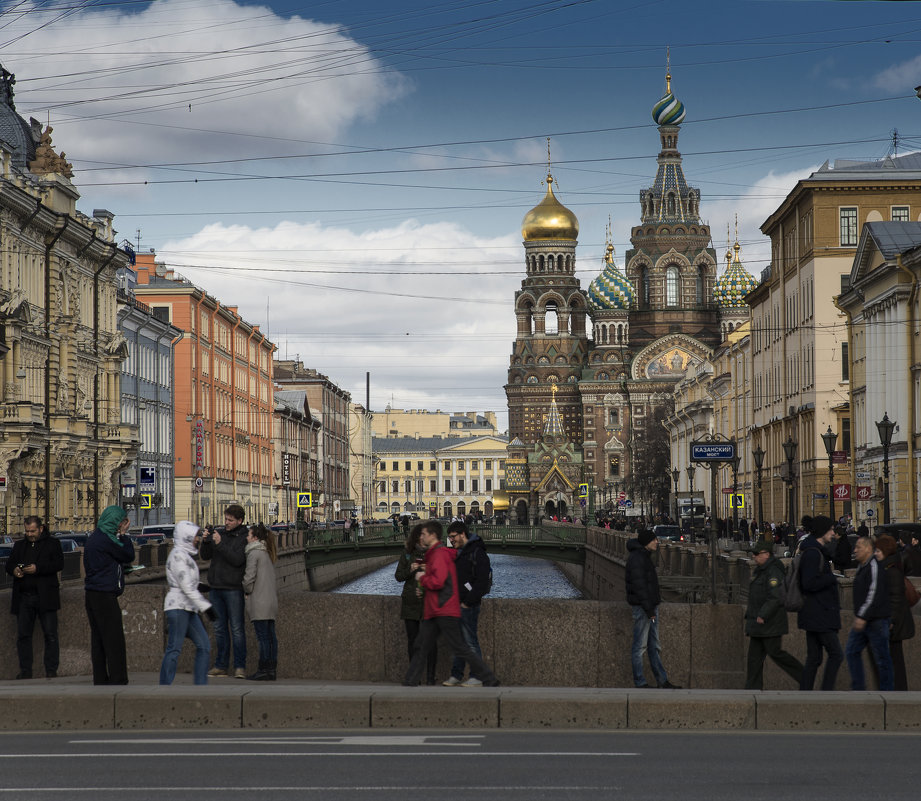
(513, 577)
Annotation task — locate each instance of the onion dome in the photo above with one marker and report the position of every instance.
(734, 284)
(611, 289)
(549, 219)
(669, 110)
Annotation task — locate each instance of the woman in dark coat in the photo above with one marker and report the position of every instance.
(411, 606)
(901, 622)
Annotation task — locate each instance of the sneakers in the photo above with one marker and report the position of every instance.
(667, 685)
(239, 673)
(217, 672)
(451, 681)
(472, 682)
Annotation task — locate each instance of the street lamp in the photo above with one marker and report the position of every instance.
(692, 469)
(830, 438)
(736, 461)
(676, 474)
(789, 449)
(885, 428)
(758, 455)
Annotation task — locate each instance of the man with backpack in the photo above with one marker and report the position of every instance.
(766, 619)
(474, 580)
(820, 616)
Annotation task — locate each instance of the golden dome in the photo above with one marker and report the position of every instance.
(550, 219)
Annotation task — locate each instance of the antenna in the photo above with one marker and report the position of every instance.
(138, 234)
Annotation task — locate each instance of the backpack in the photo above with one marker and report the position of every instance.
(792, 591)
(473, 571)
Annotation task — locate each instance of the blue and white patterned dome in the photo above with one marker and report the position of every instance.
(734, 284)
(668, 111)
(611, 289)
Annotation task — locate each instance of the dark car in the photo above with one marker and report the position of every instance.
(5, 551)
(669, 533)
(900, 531)
(68, 545)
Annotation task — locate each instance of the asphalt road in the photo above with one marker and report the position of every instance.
(473, 766)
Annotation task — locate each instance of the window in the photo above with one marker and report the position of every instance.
(489, 464)
(474, 465)
(419, 466)
(396, 465)
(161, 313)
(460, 485)
(433, 487)
(502, 464)
(431, 465)
(409, 465)
(900, 214)
(672, 285)
(489, 485)
(614, 466)
(474, 485)
(644, 287)
(395, 487)
(408, 486)
(613, 417)
(460, 465)
(447, 485)
(845, 363)
(848, 226)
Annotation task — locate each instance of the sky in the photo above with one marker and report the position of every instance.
(353, 175)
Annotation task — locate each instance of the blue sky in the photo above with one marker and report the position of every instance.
(361, 169)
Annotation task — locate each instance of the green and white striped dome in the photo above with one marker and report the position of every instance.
(611, 289)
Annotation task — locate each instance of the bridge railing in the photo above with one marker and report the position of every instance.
(562, 535)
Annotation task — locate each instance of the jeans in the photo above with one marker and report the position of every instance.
(450, 629)
(469, 620)
(268, 642)
(646, 639)
(228, 606)
(25, 625)
(180, 624)
(816, 642)
(107, 638)
(412, 634)
(875, 635)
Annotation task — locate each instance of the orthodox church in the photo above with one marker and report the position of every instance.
(589, 369)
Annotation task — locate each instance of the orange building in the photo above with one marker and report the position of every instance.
(223, 399)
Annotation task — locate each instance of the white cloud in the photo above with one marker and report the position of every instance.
(899, 76)
(119, 84)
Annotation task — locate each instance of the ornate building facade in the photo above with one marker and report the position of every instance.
(63, 443)
(599, 367)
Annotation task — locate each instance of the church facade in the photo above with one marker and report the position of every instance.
(592, 372)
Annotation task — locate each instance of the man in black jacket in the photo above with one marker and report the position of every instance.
(34, 564)
(474, 577)
(871, 620)
(227, 553)
(644, 598)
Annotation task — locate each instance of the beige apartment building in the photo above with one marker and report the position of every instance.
(423, 423)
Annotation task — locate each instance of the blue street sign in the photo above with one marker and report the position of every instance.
(869, 513)
(582, 502)
(628, 504)
(713, 451)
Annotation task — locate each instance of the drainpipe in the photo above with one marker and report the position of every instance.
(852, 456)
(96, 381)
(910, 334)
(49, 244)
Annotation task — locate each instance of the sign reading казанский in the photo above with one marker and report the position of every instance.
(713, 451)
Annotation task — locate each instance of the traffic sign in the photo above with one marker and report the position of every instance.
(199, 484)
(145, 501)
(304, 500)
(713, 451)
(870, 513)
(583, 491)
(863, 475)
(842, 492)
(148, 476)
(582, 502)
(864, 493)
(839, 457)
(622, 495)
(737, 501)
(628, 504)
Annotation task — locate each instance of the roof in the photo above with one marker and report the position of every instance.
(393, 445)
(894, 238)
(907, 166)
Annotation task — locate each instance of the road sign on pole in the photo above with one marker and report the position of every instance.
(304, 500)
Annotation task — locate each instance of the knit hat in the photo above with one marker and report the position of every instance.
(819, 525)
(645, 537)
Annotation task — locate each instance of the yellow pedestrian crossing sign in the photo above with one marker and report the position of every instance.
(145, 501)
(737, 500)
(583, 490)
(304, 500)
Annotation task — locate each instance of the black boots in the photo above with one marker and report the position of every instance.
(266, 671)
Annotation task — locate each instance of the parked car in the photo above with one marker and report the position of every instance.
(162, 530)
(669, 533)
(68, 545)
(5, 551)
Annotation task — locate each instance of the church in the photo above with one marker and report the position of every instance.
(592, 372)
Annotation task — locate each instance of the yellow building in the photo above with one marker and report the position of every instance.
(423, 423)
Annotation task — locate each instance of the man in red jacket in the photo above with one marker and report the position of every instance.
(441, 611)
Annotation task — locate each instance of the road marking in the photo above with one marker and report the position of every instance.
(302, 789)
(347, 754)
(358, 739)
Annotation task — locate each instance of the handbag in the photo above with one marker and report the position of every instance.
(912, 596)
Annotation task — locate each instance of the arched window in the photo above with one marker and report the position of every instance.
(461, 508)
(551, 319)
(644, 287)
(672, 286)
(671, 205)
(701, 273)
(447, 508)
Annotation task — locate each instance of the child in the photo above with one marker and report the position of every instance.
(182, 605)
(262, 598)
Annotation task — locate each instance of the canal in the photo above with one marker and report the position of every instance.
(513, 577)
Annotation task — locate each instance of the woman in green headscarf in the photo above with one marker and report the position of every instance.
(107, 550)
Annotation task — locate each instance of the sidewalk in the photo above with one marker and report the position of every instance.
(74, 703)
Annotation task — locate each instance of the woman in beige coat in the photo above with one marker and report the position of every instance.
(262, 598)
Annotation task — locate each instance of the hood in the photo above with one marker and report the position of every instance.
(184, 536)
(635, 545)
(110, 519)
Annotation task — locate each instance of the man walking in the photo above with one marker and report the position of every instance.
(227, 553)
(871, 620)
(766, 619)
(442, 609)
(34, 564)
(644, 599)
(473, 579)
(820, 616)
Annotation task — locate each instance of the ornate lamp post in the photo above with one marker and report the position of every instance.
(758, 455)
(676, 474)
(789, 449)
(737, 460)
(830, 438)
(885, 428)
(692, 469)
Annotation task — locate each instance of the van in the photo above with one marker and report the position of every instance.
(157, 533)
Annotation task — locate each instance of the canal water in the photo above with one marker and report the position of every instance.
(512, 577)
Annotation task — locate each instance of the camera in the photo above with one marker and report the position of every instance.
(21, 567)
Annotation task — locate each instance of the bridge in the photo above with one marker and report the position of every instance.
(555, 542)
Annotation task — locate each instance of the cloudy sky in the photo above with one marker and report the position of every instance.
(353, 173)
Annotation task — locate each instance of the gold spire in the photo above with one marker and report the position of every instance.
(668, 70)
(549, 219)
(736, 247)
(728, 247)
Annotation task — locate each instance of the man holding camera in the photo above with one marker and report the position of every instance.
(34, 565)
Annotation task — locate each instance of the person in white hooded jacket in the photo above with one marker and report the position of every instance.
(183, 604)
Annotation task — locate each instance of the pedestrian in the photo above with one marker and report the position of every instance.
(911, 556)
(820, 616)
(902, 622)
(261, 590)
(183, 605)
(441, 609)
(108, 549)
(227, 552)
(642, 583)
(34, 564)
(766, 619)
(474, 580)
(871, 620)
(843, 552)
(411, 601)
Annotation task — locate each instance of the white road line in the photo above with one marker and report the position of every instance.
(347, 754)
(359, 739)
(302, 789)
